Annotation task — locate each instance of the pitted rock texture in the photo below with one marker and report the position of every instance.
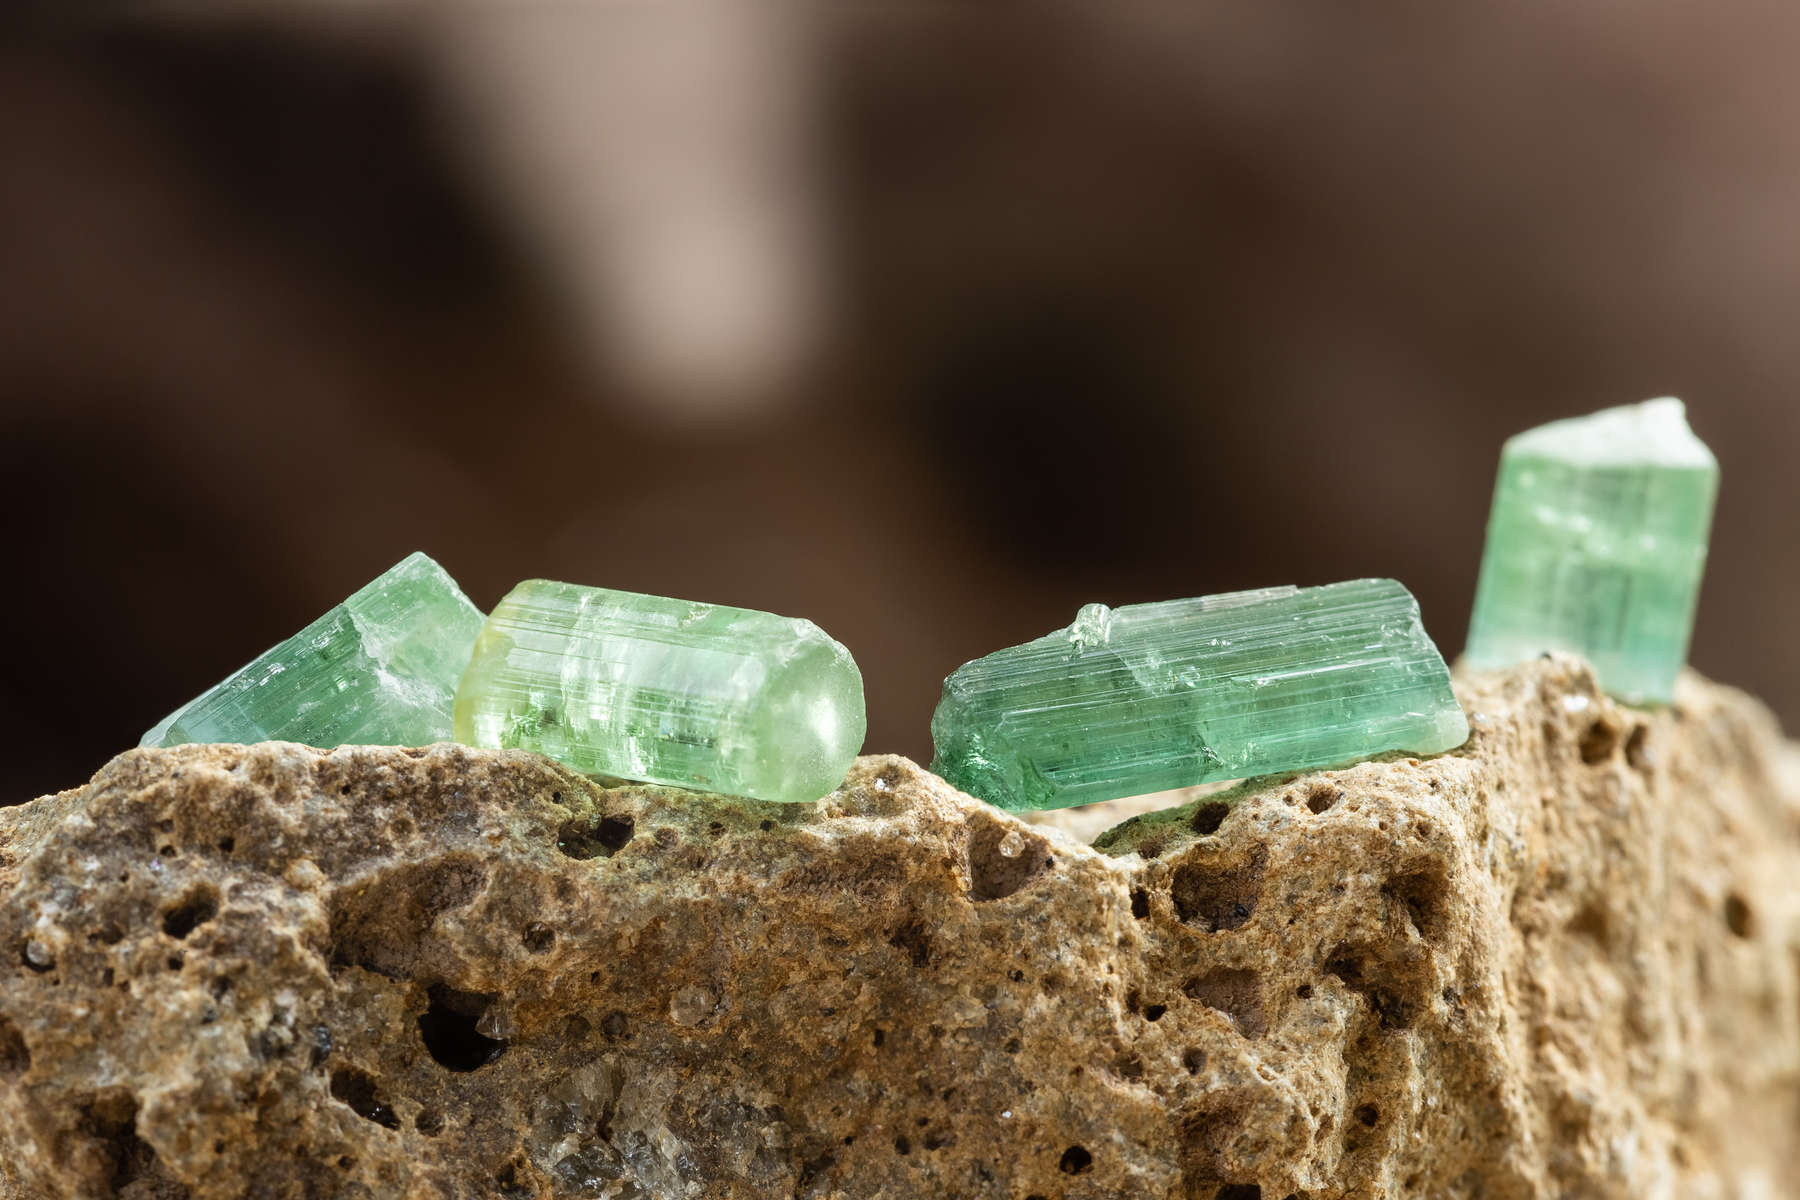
(1559, 962)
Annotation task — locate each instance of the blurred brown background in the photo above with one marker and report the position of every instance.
(929, 326)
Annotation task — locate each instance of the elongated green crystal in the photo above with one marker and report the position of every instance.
(644, 687)
(1596, 545)
(1155, 696)
(381, 668)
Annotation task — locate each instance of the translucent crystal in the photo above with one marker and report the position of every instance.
(644, 687)
(1596, 545)
(381, 668)
(1155, 696)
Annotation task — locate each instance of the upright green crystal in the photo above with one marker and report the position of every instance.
(645, 687)
(381, 668)
(1155, 696)
(1596, 545)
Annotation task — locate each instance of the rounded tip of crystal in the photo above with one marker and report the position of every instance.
(811, 723)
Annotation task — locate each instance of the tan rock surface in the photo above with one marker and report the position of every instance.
(1559, 962)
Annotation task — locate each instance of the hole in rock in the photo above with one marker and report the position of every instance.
(194, 911)
(1140, 903)
(1322, 798)
(614, 832)
(1216, 897)
(615, 1026)
(1392, 1009)
(1208, 817)
(1194, 1060)
(1154, 1012)
(1236, 993)
(227, 845)
(1304, 991)
(1075, 1160)
(913, 939)
(880, 1037)
(15, 1055)
(1368, 1114)
(812, 1169)
(902, 1145)
(596, 837)
(1002, 860)
(539, 938)
(1599, 742)
(1239, 1191)
(1737, 915)
(377, 924)
(111, 1119)
(1206, 1130)
(516, 1178)
(1637, 748)
(1422, 891)
(448, 1030)
(1592, 922)
(429, 1122)
(362, 1094)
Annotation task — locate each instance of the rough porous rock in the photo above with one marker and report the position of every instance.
(1559, 962)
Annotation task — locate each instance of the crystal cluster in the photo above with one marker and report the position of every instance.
(1155, 696)
(1596, 545)
(646, 687)
(381, 668)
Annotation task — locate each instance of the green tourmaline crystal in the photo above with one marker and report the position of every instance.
(645, 687)
(381, 668)
(1156, 696)
(1596, 546)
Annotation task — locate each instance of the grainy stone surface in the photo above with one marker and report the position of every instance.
(1559, 962)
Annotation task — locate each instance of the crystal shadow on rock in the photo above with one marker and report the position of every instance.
(1152, 697)
(1596, 546)
(703, 696)
(379, 669)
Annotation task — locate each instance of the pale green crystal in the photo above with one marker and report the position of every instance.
(1596, 545)
(381, 668)
(645, 687)
(1156, 696)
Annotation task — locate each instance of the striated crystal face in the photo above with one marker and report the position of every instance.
(1596, 545)
(1155, 696)
(380, 669)
(644, 687)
